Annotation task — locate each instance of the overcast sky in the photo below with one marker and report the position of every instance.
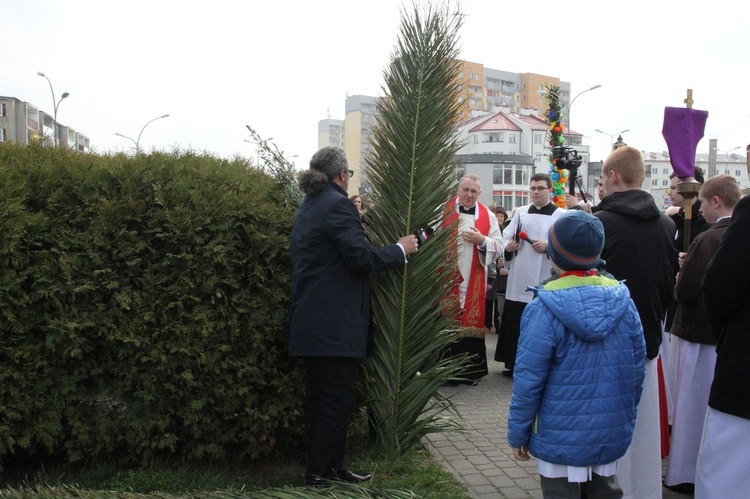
(282, 65)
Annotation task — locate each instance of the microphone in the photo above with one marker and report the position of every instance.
(523, 235)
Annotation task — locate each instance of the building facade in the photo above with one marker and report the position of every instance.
(23, 123)
(482, 92)
(659, 168)
(506, 148)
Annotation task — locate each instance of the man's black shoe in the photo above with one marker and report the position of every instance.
(347, 476)
(316, 481)
(682, 488)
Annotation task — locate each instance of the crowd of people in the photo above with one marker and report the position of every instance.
(625, 342)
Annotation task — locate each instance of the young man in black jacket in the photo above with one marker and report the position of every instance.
(639, 249)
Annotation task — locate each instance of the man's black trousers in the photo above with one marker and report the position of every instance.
(331, 396)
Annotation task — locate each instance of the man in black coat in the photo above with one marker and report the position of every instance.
(639, 249)
(724, 459)
(330, 311)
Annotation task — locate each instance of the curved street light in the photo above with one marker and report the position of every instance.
(577, 96)
(129, 138)
(568, 104)
(138, 142)
(726, 157)
(257, 148)
(611, 135)
(55, 104)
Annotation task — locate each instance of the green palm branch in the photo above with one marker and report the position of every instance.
(413, 177)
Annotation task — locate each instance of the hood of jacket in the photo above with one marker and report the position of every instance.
(590, 307)
(633, 203)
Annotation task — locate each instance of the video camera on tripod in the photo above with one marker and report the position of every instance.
(567, 158)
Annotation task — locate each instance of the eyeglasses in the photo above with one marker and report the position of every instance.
(351, 173)
(538, 188)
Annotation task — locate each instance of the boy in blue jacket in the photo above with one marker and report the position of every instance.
(579, 368)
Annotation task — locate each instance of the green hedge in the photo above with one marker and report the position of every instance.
(143, 303)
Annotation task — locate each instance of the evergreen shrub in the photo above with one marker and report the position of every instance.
(143, 305)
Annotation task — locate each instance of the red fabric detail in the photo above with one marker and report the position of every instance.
(663, 411)
(474, 306)
(579, 273)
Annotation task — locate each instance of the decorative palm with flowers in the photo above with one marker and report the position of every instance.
(555, 128)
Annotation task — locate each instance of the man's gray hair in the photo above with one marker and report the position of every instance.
(325, 165)
(471, 176)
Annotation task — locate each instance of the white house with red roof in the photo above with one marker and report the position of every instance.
(505, 149)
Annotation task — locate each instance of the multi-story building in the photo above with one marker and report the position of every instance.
(481, 90)
(361, 111)
(659, 168)
(485, 89)
(331, 133)
(23, 123)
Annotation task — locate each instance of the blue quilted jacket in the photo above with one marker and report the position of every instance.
(579, 372)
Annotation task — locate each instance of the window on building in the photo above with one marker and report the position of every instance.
(538, 138)
(460, 171)
(2, 134)
(508, 174)
(522, 198)
(512, 138)
(654, 182)
(497, 174)
(665, 171)
(3, 111)
(665, 183)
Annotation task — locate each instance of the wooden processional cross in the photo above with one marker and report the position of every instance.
(688, 188)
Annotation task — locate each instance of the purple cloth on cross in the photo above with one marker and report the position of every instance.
(683, 129)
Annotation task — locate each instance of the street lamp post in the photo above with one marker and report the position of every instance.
(577, 96)
(55, 105)
(726, 156)
(129, 138)
(570, 104)
(138, 142)
(612, 136)
(257, 148)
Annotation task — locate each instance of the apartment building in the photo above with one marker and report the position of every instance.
(22, 122)
(484, 89)
(485, 94)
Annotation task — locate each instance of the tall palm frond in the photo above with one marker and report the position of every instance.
(413, 178)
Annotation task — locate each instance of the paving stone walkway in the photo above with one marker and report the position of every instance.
(481, 457)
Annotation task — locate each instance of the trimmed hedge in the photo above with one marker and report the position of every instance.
(143, 306)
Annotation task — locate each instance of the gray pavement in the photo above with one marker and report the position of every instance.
(481, 457)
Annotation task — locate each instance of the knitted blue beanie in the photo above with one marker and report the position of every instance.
(575, 241)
